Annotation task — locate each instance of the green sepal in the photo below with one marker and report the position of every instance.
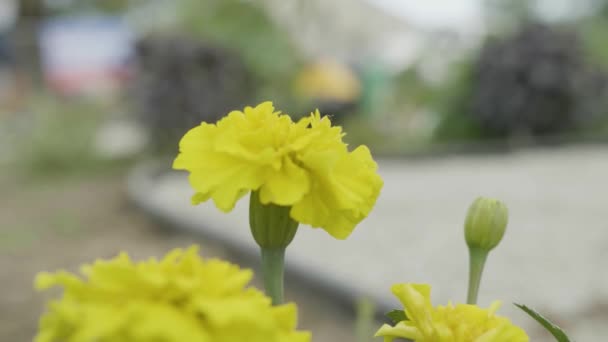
(396, 316)
(271, 225)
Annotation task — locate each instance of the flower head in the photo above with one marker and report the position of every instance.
(486, 223)
(303, 165)
(179, 298)
(460, 323)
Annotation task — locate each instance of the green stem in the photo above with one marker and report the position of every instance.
(365, 320)
(477, 260)
(273, 265)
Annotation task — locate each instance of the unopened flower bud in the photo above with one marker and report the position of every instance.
(486, 223)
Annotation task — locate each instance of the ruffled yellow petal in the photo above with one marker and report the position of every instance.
(344, 190)
(179, 298)
(235, 156)
(285, 186)
(305, 165)
(400, 330)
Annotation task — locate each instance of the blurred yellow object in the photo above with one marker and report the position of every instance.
(328, 81)
(179, 298)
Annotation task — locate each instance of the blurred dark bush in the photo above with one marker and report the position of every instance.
(180, 82)
(536, 82)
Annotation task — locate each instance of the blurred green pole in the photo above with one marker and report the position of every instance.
(374, 80)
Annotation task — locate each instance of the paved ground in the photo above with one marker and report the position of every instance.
(52, 224)
(554, 256)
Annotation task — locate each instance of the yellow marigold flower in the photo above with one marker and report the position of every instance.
(460, 323)
(179, 298)
(304, 165)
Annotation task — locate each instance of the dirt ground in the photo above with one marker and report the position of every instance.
(54, 224)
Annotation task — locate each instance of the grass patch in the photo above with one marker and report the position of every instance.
(56, 140)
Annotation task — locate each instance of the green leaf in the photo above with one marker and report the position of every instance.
(396, 316)
(556, 331)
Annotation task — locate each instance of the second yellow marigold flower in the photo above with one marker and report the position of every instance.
(177, 299)
(304, 165)
(459, 323)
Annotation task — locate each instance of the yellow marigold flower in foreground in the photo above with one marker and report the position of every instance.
(179, 298)
(304, 165)
(460, 323)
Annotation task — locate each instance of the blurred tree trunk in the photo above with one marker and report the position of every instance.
(31, 8)
(31, 14)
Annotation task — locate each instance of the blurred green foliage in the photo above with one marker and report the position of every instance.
(452, 101)
(507, 15)
(246, 28)
(417, 90)
(12, 240)
(362, 131)
(57, 138)
(115, 7)
(67, 223)
(594, 34)
(594, 30)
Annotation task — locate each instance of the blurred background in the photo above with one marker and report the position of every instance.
(90, 89)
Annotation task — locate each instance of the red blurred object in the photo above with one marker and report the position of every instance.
(86, 55)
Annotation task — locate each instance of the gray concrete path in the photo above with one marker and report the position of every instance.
(554, 256)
